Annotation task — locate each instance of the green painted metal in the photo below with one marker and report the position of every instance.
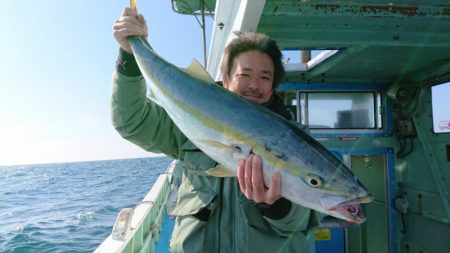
(144, 236)
(434, 167)
(423, 180)
(434, 75)
(351, 23)
(372, 236)
(398, 8)
(154, 219)
(193, 6)
(331, 63)
(404, 41)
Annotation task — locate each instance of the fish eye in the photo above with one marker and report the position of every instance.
(314, 181)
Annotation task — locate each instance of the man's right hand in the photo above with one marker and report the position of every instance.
(131, 23)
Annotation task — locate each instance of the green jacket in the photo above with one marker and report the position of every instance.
(212, 213)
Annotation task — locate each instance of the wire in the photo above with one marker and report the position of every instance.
(415, 100)
(403, 231)
(401, 153)
(402, 147)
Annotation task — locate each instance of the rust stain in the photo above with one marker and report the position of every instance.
(446, 12)
(327, 7)
(404, 10)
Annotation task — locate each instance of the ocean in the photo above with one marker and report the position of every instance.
(69, 207)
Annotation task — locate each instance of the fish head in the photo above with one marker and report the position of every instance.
(334, 191)
(346, 209)
(344, 193)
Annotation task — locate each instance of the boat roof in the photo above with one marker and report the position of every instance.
(405, 42)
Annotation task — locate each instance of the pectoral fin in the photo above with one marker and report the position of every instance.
(221, 171)
(229, 151)
(239, 150)
(218, 146)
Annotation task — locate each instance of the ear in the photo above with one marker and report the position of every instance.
(225, 84)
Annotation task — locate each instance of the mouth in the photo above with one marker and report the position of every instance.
(358, 200)
(352, 213)
(252, 96)
(350, 209)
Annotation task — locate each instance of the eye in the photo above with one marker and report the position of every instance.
(314, 181)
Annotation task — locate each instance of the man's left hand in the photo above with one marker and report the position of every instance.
(251, 182)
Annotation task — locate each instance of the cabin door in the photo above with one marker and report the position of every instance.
(374, 235)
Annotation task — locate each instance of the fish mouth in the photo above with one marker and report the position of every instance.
(358, 200)
(349, 209)
(352, 213)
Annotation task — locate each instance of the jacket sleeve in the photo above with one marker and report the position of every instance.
(140, 120)
(299, 219)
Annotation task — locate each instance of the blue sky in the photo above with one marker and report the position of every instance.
(55, 75)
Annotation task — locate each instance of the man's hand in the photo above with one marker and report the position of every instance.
(251, 182)
(131, 23)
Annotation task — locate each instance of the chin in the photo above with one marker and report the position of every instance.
(254, 99)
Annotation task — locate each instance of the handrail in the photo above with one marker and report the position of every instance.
(145, 223)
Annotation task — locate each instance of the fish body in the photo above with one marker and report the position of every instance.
(228, 128)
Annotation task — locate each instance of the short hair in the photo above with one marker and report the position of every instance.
(248, 41)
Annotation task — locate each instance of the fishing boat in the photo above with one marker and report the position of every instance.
(363, 75)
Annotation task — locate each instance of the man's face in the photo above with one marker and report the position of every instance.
(252, 76)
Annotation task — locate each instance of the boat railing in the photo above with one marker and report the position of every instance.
(145, 219)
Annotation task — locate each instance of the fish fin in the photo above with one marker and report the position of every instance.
(236, 151)
(245, 150)
(221, 171)
(196, 70)
(219, 145)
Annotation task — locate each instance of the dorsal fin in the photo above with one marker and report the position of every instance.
(196, 70)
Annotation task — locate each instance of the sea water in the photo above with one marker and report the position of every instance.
(69, 207)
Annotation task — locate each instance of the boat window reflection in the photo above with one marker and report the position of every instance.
(441, 103)
(340, 110)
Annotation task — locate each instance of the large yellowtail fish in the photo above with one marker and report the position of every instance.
(228, 128)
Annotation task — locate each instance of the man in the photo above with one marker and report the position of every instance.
(214, 214)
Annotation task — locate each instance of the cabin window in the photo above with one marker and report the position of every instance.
(440, 104)
(346, 110)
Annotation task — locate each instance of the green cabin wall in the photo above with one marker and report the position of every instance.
(422, 178)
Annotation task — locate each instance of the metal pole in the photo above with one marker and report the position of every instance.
(202, 7)
(306, 56)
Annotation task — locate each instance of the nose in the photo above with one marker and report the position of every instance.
(253, 83)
